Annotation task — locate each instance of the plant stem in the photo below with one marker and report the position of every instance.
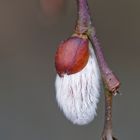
(107, 131)
(84, 26)
(83, 21)
(110, 79)
(111, 82)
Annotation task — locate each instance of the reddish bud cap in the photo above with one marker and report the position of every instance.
(72, 55)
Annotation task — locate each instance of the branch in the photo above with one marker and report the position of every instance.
(110, 80)
(84, 26)
(83, 21)
(107, 131)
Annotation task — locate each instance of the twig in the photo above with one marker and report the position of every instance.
(107, 131)
(110, 80)
(83, 21)
(84, 26)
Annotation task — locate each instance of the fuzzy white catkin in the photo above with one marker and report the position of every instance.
(77, 94)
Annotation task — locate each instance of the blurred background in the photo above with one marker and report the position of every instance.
(30, 31)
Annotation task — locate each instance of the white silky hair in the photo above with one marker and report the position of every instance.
(77, 94)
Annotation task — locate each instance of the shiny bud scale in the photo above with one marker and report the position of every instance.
(72, 55)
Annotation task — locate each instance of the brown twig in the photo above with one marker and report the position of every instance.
(111, 82)
(107, 131)
(83, 21)
(84, 26)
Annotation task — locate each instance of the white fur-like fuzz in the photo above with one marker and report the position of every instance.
(77, 94)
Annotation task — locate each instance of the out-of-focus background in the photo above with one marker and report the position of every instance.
(30, 31)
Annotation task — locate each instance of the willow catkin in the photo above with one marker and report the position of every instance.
(77, 94)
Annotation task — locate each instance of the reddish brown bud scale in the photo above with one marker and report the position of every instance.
(72, 55)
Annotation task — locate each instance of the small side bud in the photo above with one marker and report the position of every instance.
(72, 55)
